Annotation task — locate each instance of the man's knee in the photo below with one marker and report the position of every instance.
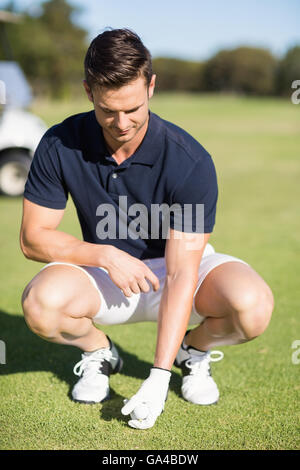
(58, 291)
(253, 310)
(43, 303)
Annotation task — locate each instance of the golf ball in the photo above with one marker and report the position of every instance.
(140, 412)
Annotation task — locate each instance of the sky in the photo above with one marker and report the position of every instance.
(193, 29)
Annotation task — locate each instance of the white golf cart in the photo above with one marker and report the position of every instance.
(20, 130)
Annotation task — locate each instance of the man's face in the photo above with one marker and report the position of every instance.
(122, 112)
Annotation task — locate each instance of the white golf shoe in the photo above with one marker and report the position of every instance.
(94, 370)
(198, 386)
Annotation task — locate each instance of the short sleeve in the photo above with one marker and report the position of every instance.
(45, 184)
(195, 199)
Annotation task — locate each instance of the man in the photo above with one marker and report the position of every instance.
(109, 160)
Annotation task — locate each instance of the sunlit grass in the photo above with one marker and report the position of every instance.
(255, 146)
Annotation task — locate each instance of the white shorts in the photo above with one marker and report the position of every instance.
(116, 308)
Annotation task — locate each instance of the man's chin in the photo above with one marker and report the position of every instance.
(123, 137)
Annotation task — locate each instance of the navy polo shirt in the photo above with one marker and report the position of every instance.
(169, 168)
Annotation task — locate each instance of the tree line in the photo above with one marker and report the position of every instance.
(50, 48)
(243, 70)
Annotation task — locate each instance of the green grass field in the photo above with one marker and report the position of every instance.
(255, 144)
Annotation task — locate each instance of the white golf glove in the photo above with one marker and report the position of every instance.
(148, 403)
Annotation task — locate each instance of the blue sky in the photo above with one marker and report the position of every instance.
(194, 29)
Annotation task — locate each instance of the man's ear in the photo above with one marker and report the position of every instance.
(88, 91)
(151, 86)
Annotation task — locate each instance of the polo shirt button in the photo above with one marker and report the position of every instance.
(114, 175)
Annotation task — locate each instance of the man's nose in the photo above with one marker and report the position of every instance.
(121, 121)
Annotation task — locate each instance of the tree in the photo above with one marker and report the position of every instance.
(50, 48)
(177, 74)
(288, 71)
(243, 70)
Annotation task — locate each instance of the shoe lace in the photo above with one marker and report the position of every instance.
(199, 365)
(91, 364)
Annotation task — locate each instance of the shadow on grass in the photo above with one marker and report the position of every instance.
(27, 352)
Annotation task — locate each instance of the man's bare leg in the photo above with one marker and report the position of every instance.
(237, 305)
(59, 304)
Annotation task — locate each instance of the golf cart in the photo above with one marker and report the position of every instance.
(20, 130)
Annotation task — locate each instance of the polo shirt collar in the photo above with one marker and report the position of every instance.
(146, 154)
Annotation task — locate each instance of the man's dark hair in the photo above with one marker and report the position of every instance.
(115, 58)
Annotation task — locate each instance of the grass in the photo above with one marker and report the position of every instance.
(255, 145)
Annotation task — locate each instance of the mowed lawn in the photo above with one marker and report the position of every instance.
(255, 144)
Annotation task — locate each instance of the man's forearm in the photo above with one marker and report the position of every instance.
(175, 309)
(47, 245)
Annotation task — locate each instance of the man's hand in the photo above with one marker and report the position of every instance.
(129, 273)
(151, 396)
